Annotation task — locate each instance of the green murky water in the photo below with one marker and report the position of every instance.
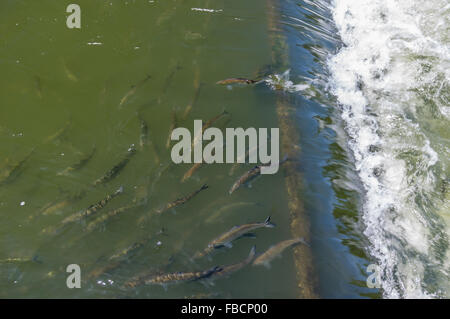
(60, 96)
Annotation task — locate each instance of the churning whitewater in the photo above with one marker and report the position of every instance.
(391, 80)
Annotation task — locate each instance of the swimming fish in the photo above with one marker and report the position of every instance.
(181, 200)
(171, 278)
(136, 245)
(118, 259)
(175, 203)
(241, 159)
(266, 257)
(191, 171)
(56, 206)
(143, 138)
(236, 80)
(98, 271)
(133, 90)
(249, 175)
(246, 177)
(60, 133)
(69, 74)
(229, 269)
(91, 210)
(207, 125)
(9, 174)
(213, 120)
(102, 220)
(113, 172)
(127, 251)
(231, 235)
(191, 105)
(19, 260)
(80, 164)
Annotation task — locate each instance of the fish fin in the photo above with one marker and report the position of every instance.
(269, 224)
(217, 268)
(132, 149)
(204, 186)
(170, 261)
(37, 259)
(285, 159)
(212, 270)
(267, 265)
(301, 240)
(249, 235)
(208, 282)
(228, 245)
(252, 253)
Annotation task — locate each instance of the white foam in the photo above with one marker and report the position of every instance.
(283, 82)
(206, 10)
(396, 56)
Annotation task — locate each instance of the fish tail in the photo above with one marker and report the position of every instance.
(233, 188)
(285, 159)
(252, 254)
(301, 240)
(268, 223)
(204, 186)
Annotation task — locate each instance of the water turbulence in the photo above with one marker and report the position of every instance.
(391, 81)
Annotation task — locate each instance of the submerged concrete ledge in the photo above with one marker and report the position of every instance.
(290, 140)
